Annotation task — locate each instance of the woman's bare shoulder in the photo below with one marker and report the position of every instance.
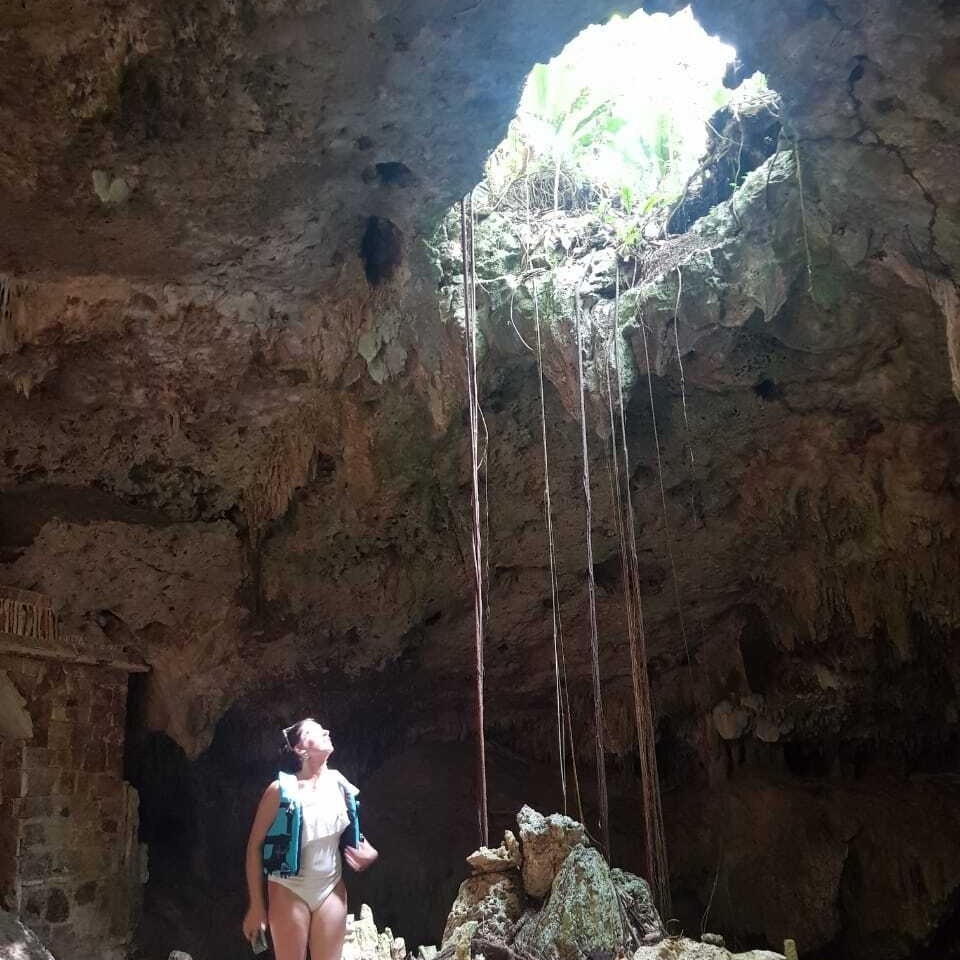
(272, 790)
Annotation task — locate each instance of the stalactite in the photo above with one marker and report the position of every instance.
(288, 465)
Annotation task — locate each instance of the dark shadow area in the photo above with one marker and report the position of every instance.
(394, 174)
(381, 249)
(767, 389)
(738, 142)
(758, 650)
(26, 508)
(945, 942)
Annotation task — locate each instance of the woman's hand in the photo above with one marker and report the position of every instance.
(360, 858)
(256, 895)
(255, 920)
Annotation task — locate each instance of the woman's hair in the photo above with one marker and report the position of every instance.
(290, 761)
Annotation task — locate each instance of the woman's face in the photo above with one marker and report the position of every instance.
(314, 740)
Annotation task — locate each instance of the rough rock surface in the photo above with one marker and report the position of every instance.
(249, 143)
(17, 942)
(855, 845)
(545, 842)
(682, 948)
(582, 914)
(507, 856)
(637, 902)
(487, 905)
(364, 941)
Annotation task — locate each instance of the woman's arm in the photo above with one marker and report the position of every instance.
(257, 907)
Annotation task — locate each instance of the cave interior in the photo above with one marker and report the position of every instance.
(236, 472)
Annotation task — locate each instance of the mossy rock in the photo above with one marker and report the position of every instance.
(582, 914)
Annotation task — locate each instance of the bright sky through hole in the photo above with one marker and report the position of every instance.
(648, 68)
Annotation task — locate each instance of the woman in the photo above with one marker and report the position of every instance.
(310, 909)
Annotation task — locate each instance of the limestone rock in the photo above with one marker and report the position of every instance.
(426, 952)
(731, 722)
(766, 729)
(637, 900)
(714, 939)
(682, 948)
(19, 943)
(495, 860)
(364, 941)
(545, 842)
(582, 914)
(458, 946)
(490, 902)
(110, 190)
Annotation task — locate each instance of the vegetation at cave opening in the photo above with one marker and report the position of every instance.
(616, 119)
(617, 133)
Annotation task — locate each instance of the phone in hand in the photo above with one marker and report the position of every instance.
(259, 943)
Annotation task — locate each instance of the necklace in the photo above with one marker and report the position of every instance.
(314, 782)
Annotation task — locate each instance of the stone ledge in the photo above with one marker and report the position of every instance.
(12, 644)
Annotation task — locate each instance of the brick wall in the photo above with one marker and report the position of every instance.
(70, 864)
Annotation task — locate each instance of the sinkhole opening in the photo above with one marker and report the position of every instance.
(628, 137)
(618, 118)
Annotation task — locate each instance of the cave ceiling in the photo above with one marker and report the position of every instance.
(227, 450)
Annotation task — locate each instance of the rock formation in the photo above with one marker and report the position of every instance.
(18, 941)
(582, 907)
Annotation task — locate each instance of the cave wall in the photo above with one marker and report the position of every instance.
(877, 856)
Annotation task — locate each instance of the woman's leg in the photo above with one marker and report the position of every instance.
(328, 926)
(289, 923)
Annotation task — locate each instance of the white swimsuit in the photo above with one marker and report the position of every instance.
(324, 819)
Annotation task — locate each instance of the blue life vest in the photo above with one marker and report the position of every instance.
(352, 835)
(281, 846)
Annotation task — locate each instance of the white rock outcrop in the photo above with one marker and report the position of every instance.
(545, 842)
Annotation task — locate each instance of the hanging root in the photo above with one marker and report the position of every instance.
(657, 867)
(470, 344)
(716, 877)
(592, 593)
(552, 555)
(667, 532)
(683, 386)
(693, 479)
